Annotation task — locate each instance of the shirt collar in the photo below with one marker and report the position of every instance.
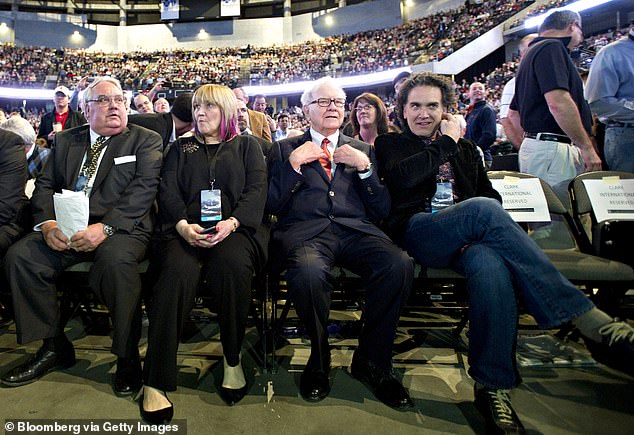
(318, 138)
(94, 135)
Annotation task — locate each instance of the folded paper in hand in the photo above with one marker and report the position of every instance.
(71, 211)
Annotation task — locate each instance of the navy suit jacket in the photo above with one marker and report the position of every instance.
(124, 189)
(305, 204)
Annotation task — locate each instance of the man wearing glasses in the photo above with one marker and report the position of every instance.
(327, 197)
(117, 167)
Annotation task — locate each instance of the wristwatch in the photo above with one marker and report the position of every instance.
(107, 230)
(367, 169)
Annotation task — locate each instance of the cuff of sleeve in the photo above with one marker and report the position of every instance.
(367, 174)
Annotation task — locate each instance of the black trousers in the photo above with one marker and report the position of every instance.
(226, 271)
(32, 268)
(386, 270)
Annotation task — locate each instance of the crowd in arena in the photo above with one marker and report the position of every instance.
(375, 184)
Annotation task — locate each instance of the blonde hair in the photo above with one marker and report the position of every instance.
(224, 98)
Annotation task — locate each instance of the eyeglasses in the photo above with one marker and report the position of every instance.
(104, 100)
(325, 102)
(362, 107)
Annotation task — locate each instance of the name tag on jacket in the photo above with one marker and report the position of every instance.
(124, 159)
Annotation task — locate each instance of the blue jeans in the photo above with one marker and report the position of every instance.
(498, 257)
(619, 148)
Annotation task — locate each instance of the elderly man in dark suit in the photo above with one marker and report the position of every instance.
(118, 167)
(327, 197)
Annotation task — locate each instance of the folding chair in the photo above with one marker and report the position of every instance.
(602, 278)
(611, 238)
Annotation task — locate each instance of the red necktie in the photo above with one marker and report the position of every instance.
(326, 162)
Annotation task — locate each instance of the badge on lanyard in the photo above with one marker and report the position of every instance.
(443, 197)
(210, 205)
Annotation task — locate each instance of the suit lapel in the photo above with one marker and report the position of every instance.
(76, 151)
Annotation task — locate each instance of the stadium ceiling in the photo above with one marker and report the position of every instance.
(134, 12)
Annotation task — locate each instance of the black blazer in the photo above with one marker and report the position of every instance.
(74, 119)
(14, 206)
(306, 203)
(409, 169)
(123, 191)
(162, 123)
(240, 174)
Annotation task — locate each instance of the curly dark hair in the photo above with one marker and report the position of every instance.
(425, 79)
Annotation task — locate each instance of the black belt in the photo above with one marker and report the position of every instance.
(551, 137)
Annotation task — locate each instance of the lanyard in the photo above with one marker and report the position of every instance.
(212, 163)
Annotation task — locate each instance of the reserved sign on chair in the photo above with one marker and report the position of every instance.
(611, 198)
(523, 198)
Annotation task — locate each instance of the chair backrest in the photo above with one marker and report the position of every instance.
(612, 238)
(579, 195)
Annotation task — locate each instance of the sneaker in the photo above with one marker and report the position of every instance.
(617, 348)
(495, 406)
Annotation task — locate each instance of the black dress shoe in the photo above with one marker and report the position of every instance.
(127, 379)
(160, 416)
(383, 384)
(231, 396)
(44, 361)
(314, 385)
(495, 406)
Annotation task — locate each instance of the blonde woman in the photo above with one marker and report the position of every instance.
(211, 203)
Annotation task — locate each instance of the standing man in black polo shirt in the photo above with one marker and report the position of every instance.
(552, 110)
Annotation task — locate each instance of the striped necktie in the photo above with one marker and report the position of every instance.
(326, 162)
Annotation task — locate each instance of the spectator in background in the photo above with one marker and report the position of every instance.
(170, 126)
(481, 126)
(142, 104)
(283, 128)
(610, 93)
(257, 120)
(514, 133)
(61, 118)
(397, 82)
(36, 155)
(260, 105)
(368, 117)
(161, 105)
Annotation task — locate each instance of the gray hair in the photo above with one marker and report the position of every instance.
(21, 127)
(309, 94)
(88, 92)
(559, 20)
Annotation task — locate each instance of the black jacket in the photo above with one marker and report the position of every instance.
(240, 174)
(307, 203)
(74, 119)
(409, 168)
